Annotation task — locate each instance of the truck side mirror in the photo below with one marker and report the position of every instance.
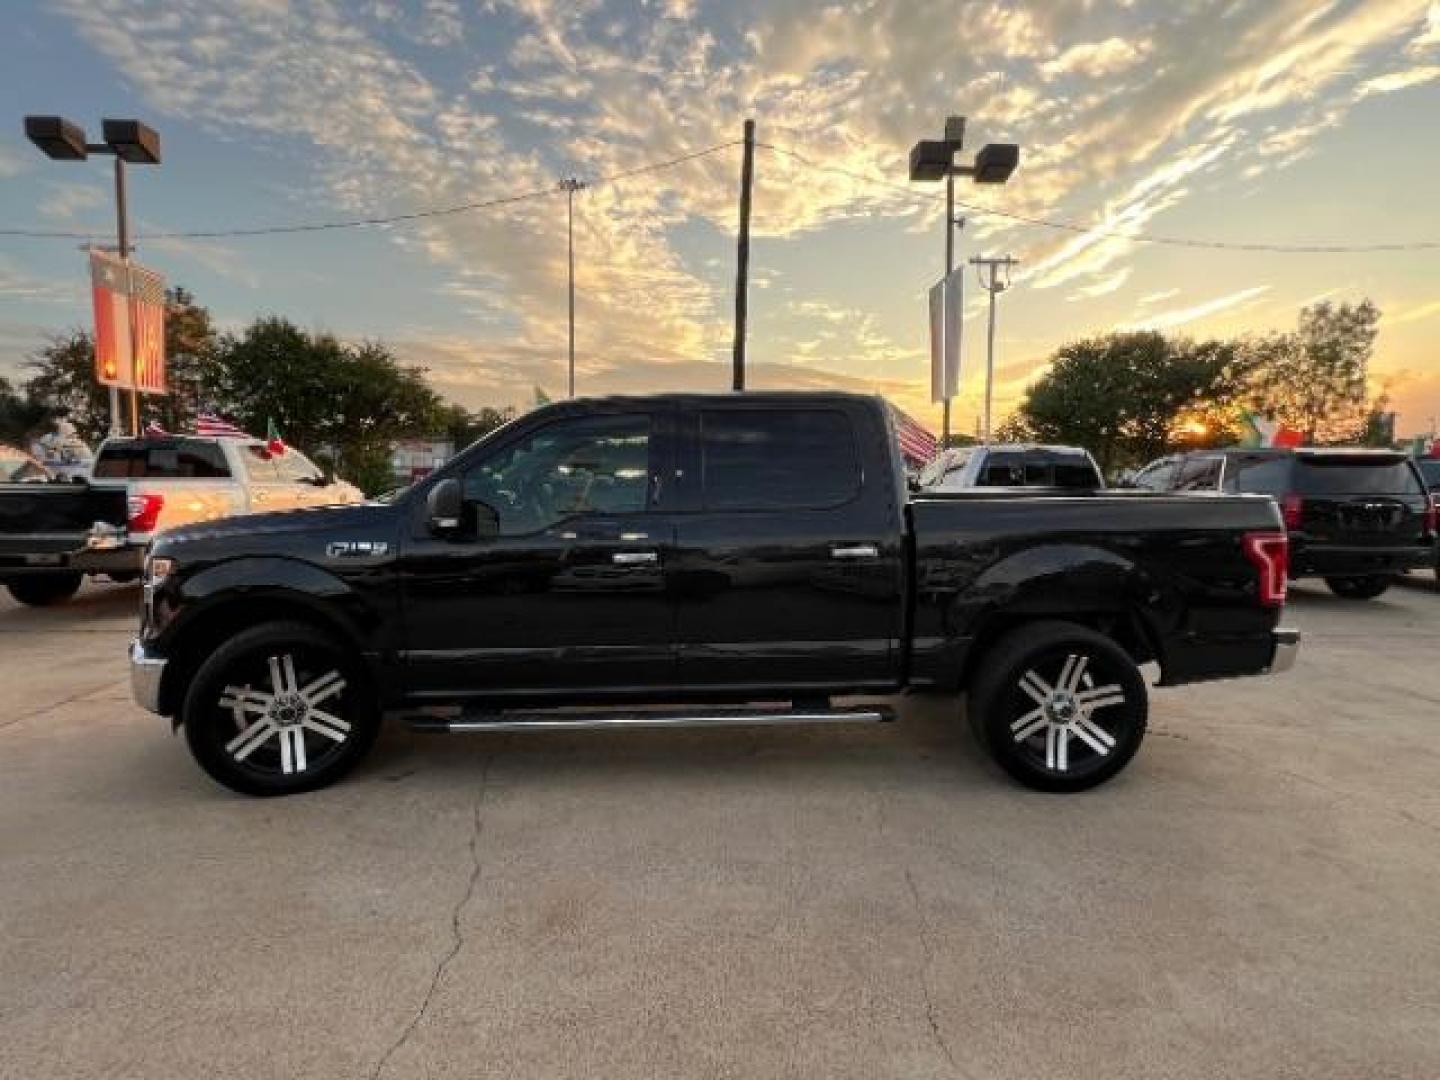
(445, 505)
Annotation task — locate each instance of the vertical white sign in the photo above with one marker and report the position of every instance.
(954, 307)
(937, 342)
(946, 331)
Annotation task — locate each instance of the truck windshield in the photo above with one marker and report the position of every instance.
(168, 459)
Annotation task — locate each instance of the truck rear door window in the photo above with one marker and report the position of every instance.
(795, 459)
(1199, 474)
(1002, 470)
(1258, 476)
(168, 459)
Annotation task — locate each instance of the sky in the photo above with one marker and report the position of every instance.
(1272, 122)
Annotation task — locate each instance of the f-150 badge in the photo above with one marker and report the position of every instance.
(339, 548)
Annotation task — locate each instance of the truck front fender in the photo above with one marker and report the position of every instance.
(251, 588)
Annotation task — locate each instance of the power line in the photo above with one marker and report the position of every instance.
(390, 219)
(1137, 237)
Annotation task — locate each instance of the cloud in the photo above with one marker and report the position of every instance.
(19, 287)
(1168, 320)
(1397, 80)
(66, 201)
(1156, 297)
(228, 262)
(1416, 314)
(1139, 117)
(12, 160)
(1096, 59)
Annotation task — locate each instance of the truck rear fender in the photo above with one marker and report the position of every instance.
(1080, 583)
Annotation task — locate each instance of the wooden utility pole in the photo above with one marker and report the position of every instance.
(742, 262)
(570, 186)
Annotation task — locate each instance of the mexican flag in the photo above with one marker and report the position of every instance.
(273, 442)
(1262, 431)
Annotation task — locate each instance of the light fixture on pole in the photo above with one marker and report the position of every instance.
(125, 140)
(570, 185)
(934, 159)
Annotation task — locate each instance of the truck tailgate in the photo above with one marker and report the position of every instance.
(52, 519)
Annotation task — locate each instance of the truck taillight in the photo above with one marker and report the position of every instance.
(144, 510)
(1270, 554)
(1432, 516)
(1292, 512)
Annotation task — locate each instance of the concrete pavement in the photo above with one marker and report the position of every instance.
(1254, 897)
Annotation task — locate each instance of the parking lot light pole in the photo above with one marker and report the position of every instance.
(125, 140)
(932, 160)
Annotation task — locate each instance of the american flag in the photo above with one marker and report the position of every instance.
(211, 426)
(917, 446)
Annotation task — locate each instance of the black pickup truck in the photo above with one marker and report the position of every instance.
(691, 559)
(54, 532)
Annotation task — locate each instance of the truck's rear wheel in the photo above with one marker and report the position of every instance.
(278, 709)
(1059, 707)
(42, 590)
(1359, 588)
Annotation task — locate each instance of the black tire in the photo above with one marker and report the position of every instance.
(293, 747)
(1359, 588)
(1029, 709)
(43, 590)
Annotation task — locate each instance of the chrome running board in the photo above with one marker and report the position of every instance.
(593, 719)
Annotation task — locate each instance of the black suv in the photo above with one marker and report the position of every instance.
(1356, 517)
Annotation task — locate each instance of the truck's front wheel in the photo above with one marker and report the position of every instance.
(278, 709)
(1059, 707)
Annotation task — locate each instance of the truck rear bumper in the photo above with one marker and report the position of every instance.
(146, 674)
(124, 560)
(1351, 561)
(1287, 648)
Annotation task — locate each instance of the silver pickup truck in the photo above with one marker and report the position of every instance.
(53, 534)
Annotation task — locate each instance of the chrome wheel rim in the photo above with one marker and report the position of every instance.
(1070, 713)
(281, 720)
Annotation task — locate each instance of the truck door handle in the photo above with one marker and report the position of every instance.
(634, 558)
(855, 551)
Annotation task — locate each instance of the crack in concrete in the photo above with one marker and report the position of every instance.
(924, 935)
(457, 935)
(59, 704)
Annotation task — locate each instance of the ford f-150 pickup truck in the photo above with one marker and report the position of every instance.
(692, 559)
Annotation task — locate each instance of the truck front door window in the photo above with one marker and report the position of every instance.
(598, 465)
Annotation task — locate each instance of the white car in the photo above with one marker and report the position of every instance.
(54, 533)
(179, 479)
(1012, 465)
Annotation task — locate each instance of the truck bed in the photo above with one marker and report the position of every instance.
(1174, 564)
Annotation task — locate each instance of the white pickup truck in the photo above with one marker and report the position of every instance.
(52, 534)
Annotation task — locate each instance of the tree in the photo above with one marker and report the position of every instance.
(1123, 395)
(463, 427)
(189, 363)
(64, 384)
(346, 403)
(21, 416)
(1314, 379)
